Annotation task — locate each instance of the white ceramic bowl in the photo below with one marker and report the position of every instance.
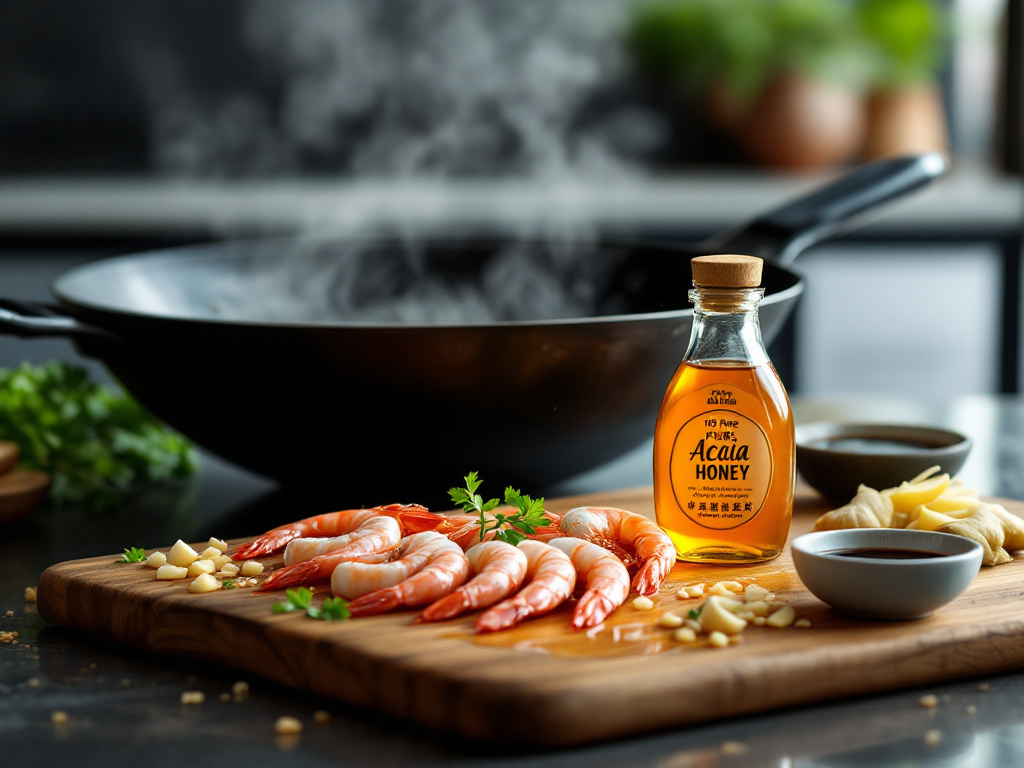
(886, 588)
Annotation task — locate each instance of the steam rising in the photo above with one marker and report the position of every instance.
(414, 89)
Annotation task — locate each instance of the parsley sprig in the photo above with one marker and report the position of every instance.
(301, 599)
(512, 528)
(133, 555)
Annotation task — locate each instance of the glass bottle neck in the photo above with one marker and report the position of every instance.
(726, 329)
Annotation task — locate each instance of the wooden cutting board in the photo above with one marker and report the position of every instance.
(571, 688)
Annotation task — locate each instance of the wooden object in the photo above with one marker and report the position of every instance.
(580, 688)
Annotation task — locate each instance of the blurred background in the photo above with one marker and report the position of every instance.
(131, 125)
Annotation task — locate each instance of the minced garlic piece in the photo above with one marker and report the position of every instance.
(693, 590)
(219, 561)
(209, 553)
(715, 616)
(229, 569)
(204, 583)
(684, 635)
(759, 621)
(171, 573)
(753, 593)
(782, 617)
(718, 639)
(929, 701)
(802, 623)
(156, 559)
(199, 567)
(181, 554)
(217, 544)
(192, 697)
(253, 568)
(30, 594)
(725, 588)
(670, 620)
(640, 603)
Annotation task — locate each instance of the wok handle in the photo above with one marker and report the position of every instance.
(29, 320)
(825, 212)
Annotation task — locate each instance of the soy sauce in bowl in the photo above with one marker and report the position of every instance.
(885, 553)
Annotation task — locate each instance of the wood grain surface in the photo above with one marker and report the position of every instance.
(572, 688)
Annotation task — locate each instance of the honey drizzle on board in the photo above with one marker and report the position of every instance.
(764, 536)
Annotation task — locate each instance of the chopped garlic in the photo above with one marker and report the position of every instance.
(759, 621)
(204, 583)
(692, 624)
(200, 567)
(759, 608)
(725, 588)
(693, 590)
(30, 594)
(640, 603)
(171, 572)
(253, 568)
(192, 697)
(181, 554)
(929, 701)
(209, 553)
(216, 543)
(219, 561)
(670, 620)
(715, 616)
(782, 617)
(718, 639)
(802, 623)
(754, 593)
(156, 559)
(229, 569)
(684, 635)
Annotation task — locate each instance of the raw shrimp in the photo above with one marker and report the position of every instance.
(607, 580)
(655, 551)
(309, 560)
(422, 568)
(413, 518)
(500, 569)
(552, 579)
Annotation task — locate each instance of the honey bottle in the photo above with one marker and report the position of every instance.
(724, 456)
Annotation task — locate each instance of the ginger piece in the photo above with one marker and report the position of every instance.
(868, 509)
(985, 527)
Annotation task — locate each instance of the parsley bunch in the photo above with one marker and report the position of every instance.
(133, 555)
(511, 529)
(96, 444)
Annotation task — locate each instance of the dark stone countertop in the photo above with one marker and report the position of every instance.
(124, 704)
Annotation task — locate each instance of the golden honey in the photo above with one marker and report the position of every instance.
(724, 456)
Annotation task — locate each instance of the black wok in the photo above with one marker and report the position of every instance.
(379, 411)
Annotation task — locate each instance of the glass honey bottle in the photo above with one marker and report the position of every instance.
(724, 456)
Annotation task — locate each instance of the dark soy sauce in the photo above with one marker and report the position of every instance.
(885, 553)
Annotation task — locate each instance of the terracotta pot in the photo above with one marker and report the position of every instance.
(801, 124)
(905, 121)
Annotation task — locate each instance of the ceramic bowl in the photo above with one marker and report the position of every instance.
(886, 588)
(834, 458)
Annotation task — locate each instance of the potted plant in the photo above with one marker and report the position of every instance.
(781, 76)
(904, 40)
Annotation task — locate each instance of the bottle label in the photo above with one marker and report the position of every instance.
(721, 464)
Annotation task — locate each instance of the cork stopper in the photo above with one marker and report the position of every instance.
(726, 271)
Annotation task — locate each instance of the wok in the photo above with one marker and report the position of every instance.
(375, 411)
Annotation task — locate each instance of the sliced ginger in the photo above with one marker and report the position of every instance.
(931, 502)
(868, 509)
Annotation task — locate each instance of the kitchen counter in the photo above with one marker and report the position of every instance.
(124, 705)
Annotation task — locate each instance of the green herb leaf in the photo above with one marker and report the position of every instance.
(133, 555)
(297, 600)
(97, 445)
(332, 609)
(694, 613)
(230, 584)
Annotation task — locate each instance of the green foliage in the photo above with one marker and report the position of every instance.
(301, 599)
(228, 584)
(508, 528)
(133, 555)
(96, 444)
(742, 44)
(905, 39)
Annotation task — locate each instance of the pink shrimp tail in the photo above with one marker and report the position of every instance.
(447, 607)
(503, 616)
(651, 576)
(414, 518)
(262, 545)
(379, 601)
(293, 576)
(591, 610)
